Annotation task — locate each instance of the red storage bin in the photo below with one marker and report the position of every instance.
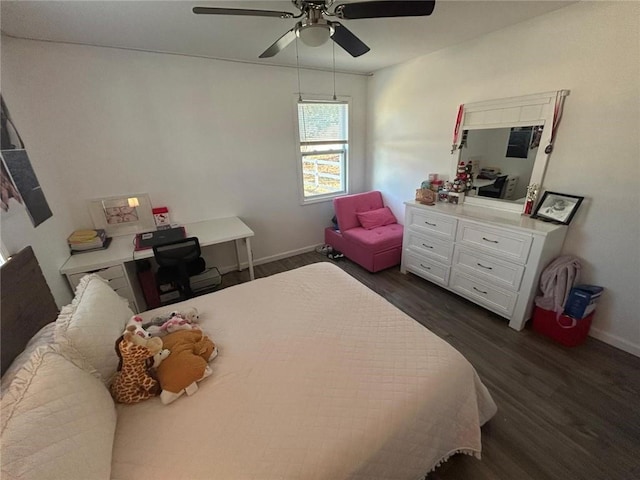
(564, 330)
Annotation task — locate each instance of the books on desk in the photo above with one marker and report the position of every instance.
(87, 241)
(150, 239)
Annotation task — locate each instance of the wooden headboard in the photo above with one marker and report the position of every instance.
(27, 304)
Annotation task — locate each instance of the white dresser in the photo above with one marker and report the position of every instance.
(491, 257)
(510, 187)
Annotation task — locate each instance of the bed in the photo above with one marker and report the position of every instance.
(317, 377)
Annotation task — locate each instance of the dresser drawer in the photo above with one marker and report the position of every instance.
(119, 283)
(422, 244)
(427, 268)
(427, 222)
(493, 298)
(492, 270)
(109, 273)
(507, 244)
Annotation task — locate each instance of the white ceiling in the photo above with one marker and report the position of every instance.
(170, 26)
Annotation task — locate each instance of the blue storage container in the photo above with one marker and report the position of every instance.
(582, 301)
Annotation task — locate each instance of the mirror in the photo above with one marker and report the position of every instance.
(506, 141)
(502, 160)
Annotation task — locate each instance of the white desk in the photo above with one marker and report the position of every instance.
(117, 263)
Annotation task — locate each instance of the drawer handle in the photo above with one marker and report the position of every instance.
(431, 224)
(478, 290)
(491, 241)
(425, 245)
(484, 266)
(424, 266)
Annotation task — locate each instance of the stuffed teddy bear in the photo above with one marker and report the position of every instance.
(191, 314)
(132, 382)
(191, 350)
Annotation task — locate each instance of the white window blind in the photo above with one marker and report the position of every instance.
(324, 143)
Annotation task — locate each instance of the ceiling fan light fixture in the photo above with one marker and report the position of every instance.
(315, 34)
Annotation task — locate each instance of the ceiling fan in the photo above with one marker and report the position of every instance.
(314, 30)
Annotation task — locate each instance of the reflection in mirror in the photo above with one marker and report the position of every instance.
(502, 160)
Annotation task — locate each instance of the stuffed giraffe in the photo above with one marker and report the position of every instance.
(132, 382)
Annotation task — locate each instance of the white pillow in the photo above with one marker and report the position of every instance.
(45, 336)
(93, 322)
(58, 420)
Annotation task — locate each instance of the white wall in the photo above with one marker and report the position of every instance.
(206, 138)
(590, 48)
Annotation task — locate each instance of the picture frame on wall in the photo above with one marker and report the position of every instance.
(557, 207)
(123, 214)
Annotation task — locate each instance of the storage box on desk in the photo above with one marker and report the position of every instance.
(563, 329)
(582, 300)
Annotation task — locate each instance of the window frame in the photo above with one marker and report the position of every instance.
(299, 154)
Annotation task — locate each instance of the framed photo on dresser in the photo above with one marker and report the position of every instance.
(557, 207)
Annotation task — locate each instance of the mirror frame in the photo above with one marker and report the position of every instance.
(523, 111)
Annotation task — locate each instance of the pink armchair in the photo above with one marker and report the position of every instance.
(368, 234)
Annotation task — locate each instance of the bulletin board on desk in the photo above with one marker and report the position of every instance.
(122, 214)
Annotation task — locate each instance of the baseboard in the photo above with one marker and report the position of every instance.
(615, 341)
(271, 258)
(290, 253)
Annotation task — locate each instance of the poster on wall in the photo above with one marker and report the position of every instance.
(19, 183)
(10, 196)
(519, 141)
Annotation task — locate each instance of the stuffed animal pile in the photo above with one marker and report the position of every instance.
(173, 322)
(165, 357)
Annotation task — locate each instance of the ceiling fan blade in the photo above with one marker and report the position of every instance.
(347, 40)
(280, 44)
(240, 11)
(385, 8)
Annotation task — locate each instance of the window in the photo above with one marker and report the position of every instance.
(4, 254)
(323, 128)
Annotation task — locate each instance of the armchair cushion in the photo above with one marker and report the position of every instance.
(376, 218)
(376, 239)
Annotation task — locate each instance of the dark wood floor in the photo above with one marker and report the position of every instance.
(563, 413)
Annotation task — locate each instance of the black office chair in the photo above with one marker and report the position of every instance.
(495, 190)
(177, 261)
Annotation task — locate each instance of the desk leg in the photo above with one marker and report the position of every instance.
(250, 259)
(249, 256)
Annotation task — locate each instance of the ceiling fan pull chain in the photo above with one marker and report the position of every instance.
(298, 70)
(334, 71)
